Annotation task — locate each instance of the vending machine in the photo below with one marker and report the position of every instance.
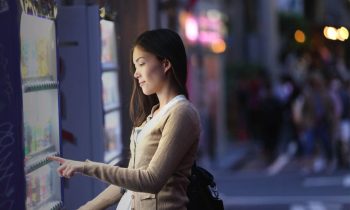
(29, 122)
(78, 28)
(90, 95)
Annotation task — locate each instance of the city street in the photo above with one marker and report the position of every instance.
(252, 188)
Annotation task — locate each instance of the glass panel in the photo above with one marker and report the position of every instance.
(112, 135)
(38, 47)
(110, 90)
(109, 49)
(43, 187)
(40, 117)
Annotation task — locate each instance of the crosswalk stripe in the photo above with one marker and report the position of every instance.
(265, 200)
(323, 181)
(327, 181)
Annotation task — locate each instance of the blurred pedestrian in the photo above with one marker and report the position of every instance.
(316, 123)
(344, 129)
(271, 122)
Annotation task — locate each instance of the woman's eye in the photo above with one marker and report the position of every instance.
(141, 64)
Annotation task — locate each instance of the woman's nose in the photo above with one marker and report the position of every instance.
(136, 74)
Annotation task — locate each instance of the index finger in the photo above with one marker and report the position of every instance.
(57, 159)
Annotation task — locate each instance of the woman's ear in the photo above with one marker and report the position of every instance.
(166, 65)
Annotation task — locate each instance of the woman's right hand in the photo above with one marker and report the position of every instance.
(67, 168)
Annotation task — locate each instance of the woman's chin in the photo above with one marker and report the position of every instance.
(147, 93)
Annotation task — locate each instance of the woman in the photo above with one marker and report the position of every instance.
(164, 138)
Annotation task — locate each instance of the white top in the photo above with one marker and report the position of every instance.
(125, 201)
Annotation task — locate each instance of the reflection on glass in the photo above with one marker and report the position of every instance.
(108, 55)
(112, 135)
(110, 94)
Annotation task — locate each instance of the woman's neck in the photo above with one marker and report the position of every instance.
(167, 92)
(164, 99)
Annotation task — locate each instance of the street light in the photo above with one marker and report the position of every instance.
(343, 33)
(332, 33)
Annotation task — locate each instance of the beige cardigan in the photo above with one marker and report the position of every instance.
(159, 167)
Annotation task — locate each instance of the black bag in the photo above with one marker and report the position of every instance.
(202, 191)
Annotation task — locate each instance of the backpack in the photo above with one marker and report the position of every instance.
(202, 191)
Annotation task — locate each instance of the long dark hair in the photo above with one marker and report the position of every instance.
(164, 44)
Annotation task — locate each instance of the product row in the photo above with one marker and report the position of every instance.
(38, 47)
(37, 138)
(40, 186)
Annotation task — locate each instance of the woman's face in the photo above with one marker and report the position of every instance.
(150, 72)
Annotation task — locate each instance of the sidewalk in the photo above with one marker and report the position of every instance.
(235, 156)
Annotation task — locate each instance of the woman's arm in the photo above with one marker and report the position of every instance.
(180, 132)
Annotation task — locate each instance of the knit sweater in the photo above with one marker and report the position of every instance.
(159, 166)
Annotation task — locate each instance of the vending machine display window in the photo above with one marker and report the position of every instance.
(109, 52)
(40, 111)
(112, 135)
(110, 93)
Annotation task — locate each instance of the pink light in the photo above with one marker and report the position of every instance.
(208, 37)
(213, 25)
(191, 29)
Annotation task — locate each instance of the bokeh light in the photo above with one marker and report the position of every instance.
(219, 46)
(191, 28)
(299, 36)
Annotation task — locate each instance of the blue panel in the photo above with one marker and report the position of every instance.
(12, 190)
